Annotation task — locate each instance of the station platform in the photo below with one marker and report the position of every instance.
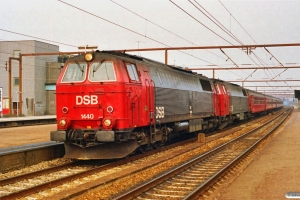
(26, 121)
(274, 171)
(6, 119)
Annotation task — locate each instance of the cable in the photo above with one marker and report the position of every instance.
(126, 28)
(237, 21)
(251, 38)
(200, 22)
(161, 27)
(254, 41)
(208, 29)
(220, 25)
(37, 38)
(20, 42)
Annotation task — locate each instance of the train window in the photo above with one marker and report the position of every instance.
(217, 88)
(213, 88)
(102, 71)
(224, 89)
(205, 85)
(75, 72)
(132, 72)
(244, 92)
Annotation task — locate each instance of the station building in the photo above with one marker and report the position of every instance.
(39, 75)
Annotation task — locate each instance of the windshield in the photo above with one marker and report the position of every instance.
(75, 72)
(102, 71)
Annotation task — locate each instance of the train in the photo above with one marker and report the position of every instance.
(110, 104)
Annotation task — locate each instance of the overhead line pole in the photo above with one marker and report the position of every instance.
(263, 81)
(242, 68)
(290, 86)
(212, 47)
(243, 47)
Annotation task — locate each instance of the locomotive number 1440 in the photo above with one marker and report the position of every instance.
(87, 116)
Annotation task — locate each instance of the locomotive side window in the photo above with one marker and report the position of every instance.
(205, 85)
(132, 72)
(102, 71)
(75, 72)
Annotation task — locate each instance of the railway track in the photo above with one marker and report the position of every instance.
(27, 184)
(193, 178)
(86, 176)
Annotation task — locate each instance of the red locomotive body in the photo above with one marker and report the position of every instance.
(222, 99)
(98, 96)
(110, 104)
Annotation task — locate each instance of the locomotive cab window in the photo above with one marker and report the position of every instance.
(75, 72)
(217, 88)
(224, 89)
(102, 71)
(132, 72)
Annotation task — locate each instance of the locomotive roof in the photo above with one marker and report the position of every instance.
(147, 60)
(215, 79)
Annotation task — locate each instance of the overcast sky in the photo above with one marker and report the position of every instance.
(127, 24)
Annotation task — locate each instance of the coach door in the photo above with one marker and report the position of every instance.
(149, 107)
(216, 100)
(135, 88)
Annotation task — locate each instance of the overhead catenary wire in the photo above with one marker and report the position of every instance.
(250, 36)
(37, 38)
(207, 28)
(222, 27)
(254, 41)
(200, 22)
(23, 44)
(237, 21)
(215, 21)
(160, 26)
(128, 29)
(241, 27)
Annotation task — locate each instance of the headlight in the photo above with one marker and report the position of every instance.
(62, 123)
(88, 57)
(107, 122)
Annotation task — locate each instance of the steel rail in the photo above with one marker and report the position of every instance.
(144, 187)
(91, 185)
(34, 174)
(206, 185)
(57, 182)
(60, 181)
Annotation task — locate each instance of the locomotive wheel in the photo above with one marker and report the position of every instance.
(141, 149)
(157, 145)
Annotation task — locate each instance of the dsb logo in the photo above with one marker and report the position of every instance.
(87, 100)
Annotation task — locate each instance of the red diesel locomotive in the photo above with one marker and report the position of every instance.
(110, 104)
